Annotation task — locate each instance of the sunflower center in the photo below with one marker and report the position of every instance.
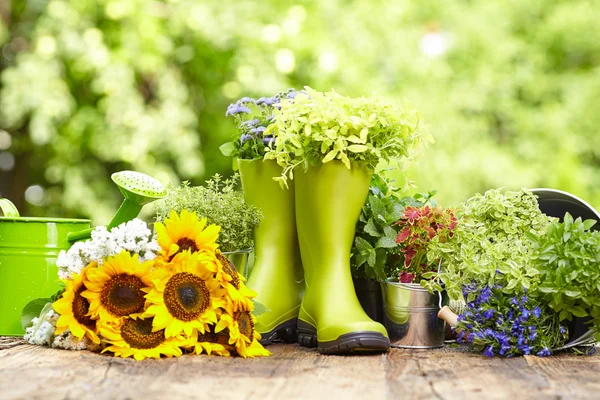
(186, 296)
(80, 307)
(244, 319)
(138, 334)
(122, 295)
(187, 244)
(230, 270)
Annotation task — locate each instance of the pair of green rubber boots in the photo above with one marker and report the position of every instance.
(302, 250)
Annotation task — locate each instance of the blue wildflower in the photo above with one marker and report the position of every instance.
(537, 312)
(514, 301)
(268, 141)
(245, 138)
(562, 330)
(489, 352)
(237, 109)
(251, 122)
(524, 314)
(258, 130)
(488, 313)
(245, 100)
(545, 352)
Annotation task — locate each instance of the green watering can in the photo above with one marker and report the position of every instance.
(29, 248)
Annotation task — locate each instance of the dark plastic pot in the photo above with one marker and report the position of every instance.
(555, 203)
(369, 296)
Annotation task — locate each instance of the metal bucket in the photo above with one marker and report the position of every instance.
(410, 316)
(239, 259)
(556, 203)
(29, 248)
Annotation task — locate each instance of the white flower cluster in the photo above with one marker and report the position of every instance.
(133, 236)
(41, 332)
(69, 342)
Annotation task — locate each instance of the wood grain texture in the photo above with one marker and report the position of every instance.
(293, 372)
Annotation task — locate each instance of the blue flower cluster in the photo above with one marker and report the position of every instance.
(506, 325)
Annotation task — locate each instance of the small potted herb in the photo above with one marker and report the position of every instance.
(410, 309)
(222, 205)
(375, 253)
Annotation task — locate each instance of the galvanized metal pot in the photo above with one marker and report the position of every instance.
(28, 251)
(410, 316)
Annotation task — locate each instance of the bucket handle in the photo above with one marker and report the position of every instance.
(9, 209)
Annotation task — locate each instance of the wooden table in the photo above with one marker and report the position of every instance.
(33, 372)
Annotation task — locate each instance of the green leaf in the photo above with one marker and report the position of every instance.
(386, 243)
(259, 308)
(330, 156)
(588, 224)
(33, 310)
(579, 311)
(362, 245)
(227, 149)
(371, 228)
(357, 148)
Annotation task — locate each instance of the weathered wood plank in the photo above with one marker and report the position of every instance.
(292, 372)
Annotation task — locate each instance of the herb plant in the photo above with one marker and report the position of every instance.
(418, 226)
(220, 204)
(496, 233)
(507, 326)
(321, 127)
(569, 263)
(252, 117)
(375, 254)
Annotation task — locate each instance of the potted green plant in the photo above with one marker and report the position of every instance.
(375, 253)
(410, 311)
(276, 274)
(221, 205)
(329, 145)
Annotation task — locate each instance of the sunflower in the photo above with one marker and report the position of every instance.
(239, 297)
(210, 343)
(134, 337)
(115, 289)
(73, 309)
(186, 232)
(184, 297)
(242, 335)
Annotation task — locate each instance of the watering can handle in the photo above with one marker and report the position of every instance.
(8, 208)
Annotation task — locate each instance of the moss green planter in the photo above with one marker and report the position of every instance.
(28, 251)
(329, 198)
(277, 274)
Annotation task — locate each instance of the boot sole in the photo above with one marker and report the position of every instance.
(353, 342)
(286, 331)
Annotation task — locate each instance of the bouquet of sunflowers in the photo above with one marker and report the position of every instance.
(143, 297)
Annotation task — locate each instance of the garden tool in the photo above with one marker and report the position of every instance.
(29, 248)
(138, 189)
(329, 198)
(277, 274)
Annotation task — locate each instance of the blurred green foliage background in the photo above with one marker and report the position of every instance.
(510, 89)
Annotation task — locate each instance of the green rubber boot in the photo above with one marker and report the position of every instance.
(277, 274)
(329, 198)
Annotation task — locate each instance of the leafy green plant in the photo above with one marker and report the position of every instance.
(317, 127)
(375, 254)
(252, 117)
(494, 243)
(569, 263)
(220, 204)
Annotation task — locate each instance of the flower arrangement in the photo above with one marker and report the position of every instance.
(188, 298)
(317, 127)
(252, 117)
(508, 326)
(375, 253)
(221, 205)
(418, 227)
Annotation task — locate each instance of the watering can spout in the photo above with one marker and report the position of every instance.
(138, 189)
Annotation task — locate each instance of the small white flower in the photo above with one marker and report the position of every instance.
(41, 332)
